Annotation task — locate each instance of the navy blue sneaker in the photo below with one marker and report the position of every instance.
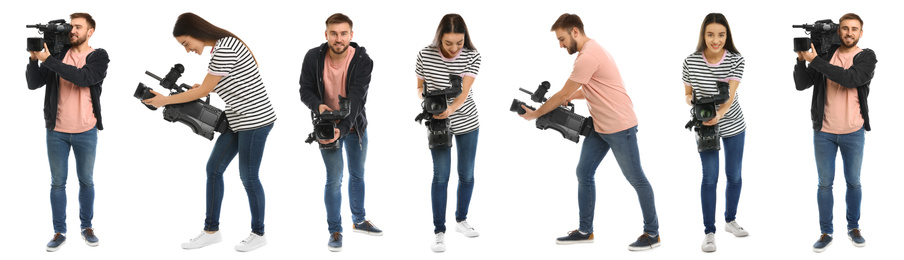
(575, 237)
(856, 237)
(644, 242)
(89, 237)
(824, 241)
(58, 240)
(335, 244)
(367, 227)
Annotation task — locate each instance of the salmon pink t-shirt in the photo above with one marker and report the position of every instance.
(75, 113)
(842, 111)
(609, 104)
(334, 78)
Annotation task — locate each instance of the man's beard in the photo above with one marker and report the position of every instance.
(854, 44)
(77, 41)
(339, 52)
(573, 47)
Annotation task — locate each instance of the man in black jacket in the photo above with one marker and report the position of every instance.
(840, 116)
(72, 117)
(340, 67)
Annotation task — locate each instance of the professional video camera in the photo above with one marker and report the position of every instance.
(325, 122)
(704, 110)
(200, 116)
(56, 35)
(562, 119)
(823, 34)
(435, 102)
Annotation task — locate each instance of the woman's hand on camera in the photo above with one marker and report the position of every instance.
(715, 120)
(445, 114)
(158, 100)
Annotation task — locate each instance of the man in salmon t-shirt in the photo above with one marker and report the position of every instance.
(72, 117)
(839, 109)
(596, 78)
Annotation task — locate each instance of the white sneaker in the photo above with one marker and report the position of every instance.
(709, 243)
(202, 240)
(439, 245)
(467, 230)
(253, 241)
(735, 229)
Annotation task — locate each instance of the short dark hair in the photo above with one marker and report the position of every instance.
(339, 18)
(851, 16)
(567, 21)
(85, 16)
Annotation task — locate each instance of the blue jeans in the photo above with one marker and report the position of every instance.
(624, 146)
(249, 145)
(826, 146)
(84, 145)
(332, 193)
(466, 146)
(734, 154)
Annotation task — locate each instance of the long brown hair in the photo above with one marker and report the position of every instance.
(719, 19)
(193, 25)
(452, 23)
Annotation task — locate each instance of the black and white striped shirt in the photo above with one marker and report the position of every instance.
(434, 69)
(702, 77)
(247, 104)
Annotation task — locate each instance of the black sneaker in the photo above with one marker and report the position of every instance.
(575, 237)
(58, 240)
(367, 227)
(644, 242)
(856, 237)
(824, 241)
(89, 237)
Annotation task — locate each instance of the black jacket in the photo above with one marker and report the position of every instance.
(857, 76)
(91, 75)
(356, 84)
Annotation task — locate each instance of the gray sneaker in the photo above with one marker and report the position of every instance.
(709, 243)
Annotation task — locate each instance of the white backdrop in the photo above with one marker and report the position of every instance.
(149, 175)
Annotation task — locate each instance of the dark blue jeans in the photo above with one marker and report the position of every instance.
(624, 146)
(332, 193)
(466, 146)
(84, 146)
(826, 147)
(734, 154)
(249, 145)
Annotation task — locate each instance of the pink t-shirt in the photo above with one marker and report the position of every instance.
(609, 104)
(334, 78)
(75, 113)
(842, 111)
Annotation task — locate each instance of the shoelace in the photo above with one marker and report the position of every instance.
(57, 236)
(646, 238)
(89, 232)
(855, 233)
(823, 237)
(466, 225)
(249, 239)
(197, 237)
(574, 231)
(368, 225)
(336, 236)
(439, 239)
(736, 226)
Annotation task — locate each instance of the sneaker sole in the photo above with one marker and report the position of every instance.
(334, 249)
(54, 249)
(466, 234)
(571, 242)
(631, 248)
(438, 250)
(368, 232)
(735, 234)
(237, 248)
(708, 251)
(184, 246)
(820, 250)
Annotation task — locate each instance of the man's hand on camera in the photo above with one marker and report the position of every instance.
(33, 55)
(41, 55)
(324, 107)
(528, 114)
(335, 136)
(807, 55)
(157, 101)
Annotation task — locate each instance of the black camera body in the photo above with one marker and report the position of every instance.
(435, 103)
(704, 109)
(563, 119)
(203, 118)
(325, 122)
(56, 36)
(823, 35)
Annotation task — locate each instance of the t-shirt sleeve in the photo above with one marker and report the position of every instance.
(685, 74)
(584, 67)
(737, 69)
(419, 66)
(222, 61)
(473, 66)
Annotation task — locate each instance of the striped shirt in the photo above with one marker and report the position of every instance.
(702, 77)
(247, 104)
(434, 69)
